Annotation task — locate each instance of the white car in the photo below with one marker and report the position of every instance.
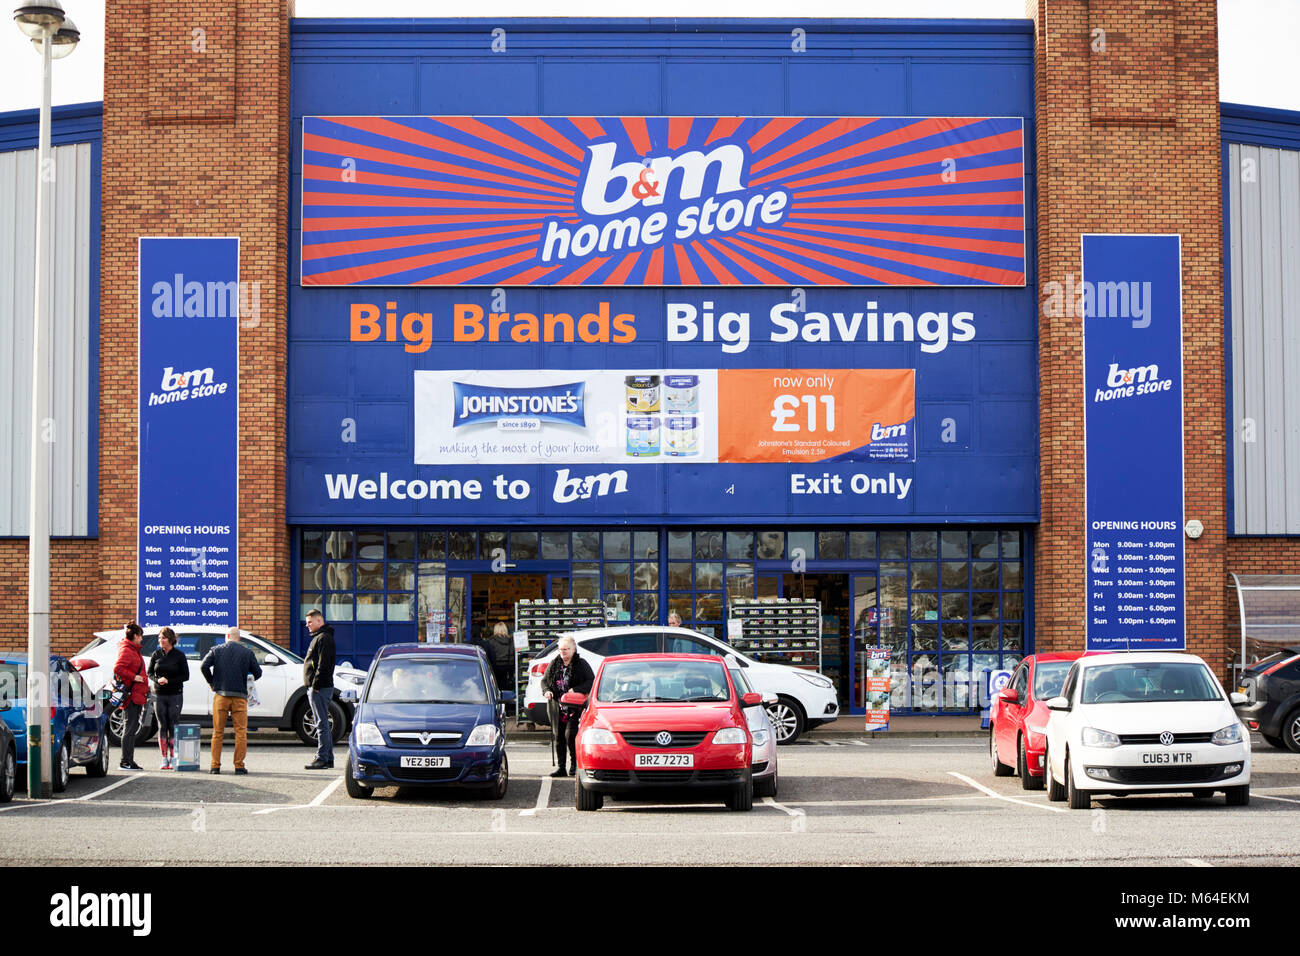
(804, 699)
(1145, 723)
(762, 736)
(283, 706)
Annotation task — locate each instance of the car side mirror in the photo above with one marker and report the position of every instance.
(272, 659)
(1238, 699)
(1009, 695)
(574, 699)
(1058, 703)
(751, 699)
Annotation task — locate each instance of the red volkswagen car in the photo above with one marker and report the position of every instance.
(657, 722)
(1018, 716)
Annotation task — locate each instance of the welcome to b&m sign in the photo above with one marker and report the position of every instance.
(662, 201)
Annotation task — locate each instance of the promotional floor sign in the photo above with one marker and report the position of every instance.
(662, 201)
(1133, 383)
(876, 685)
(188, 506)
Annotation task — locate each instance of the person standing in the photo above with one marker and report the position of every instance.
(674, 619)
(501, 649)
(169, 670)
(567, 672)
(318, 675)
(226, 668)
(130, 670)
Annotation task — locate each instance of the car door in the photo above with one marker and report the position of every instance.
(83, 719)
(277, 682)
(1012, 715)
(197, 699)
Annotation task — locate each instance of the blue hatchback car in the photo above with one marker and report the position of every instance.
(430, 715)
(77, 719)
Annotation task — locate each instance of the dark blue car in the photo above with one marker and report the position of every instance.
(77, 719)
(430, 715)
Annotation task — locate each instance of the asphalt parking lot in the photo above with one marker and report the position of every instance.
(841, 801)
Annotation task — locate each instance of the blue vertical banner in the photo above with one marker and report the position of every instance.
(1131, 301)
(188, 505)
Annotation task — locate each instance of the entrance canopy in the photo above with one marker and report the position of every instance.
(1270, 609)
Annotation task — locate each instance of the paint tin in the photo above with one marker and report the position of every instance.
(643, 436)
(681, 436)
(682, 393)
(642, 393)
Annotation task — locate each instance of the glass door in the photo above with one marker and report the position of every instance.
(458, 608)
(865, 634)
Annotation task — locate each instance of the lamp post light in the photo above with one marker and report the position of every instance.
(54, 36)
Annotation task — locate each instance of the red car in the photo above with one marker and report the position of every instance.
(658, 722)
(1018, 716)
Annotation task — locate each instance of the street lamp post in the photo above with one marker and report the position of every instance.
(55, 36)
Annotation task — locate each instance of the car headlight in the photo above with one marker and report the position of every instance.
(352, 678)
(598, 737)
(817, 680)
(1228, 735)
(484, 735)
(1092, 737)
(760, 738)
(730, 735)
(368, 735)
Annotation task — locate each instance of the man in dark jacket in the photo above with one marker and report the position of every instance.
(318, 675)
(567, 672)
(226, 668)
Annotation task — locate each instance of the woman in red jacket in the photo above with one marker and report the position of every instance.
(130, 669)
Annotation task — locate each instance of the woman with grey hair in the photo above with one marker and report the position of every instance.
(567, 672)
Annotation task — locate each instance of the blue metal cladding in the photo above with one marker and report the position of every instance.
(351, 402)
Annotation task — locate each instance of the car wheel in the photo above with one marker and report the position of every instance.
(99, 768)
(1291, 731)
(498, 790)
(1238, 796)
(585, 799)
(767, 786)
(117, 724)
(355, 788)
(1079, 799)
(62, 766)
(1277, 743)
(8, 775)
(1055, 792)
(787, 719)
(304, 722)
(1027, 780)
(742, 797)
(999, 768)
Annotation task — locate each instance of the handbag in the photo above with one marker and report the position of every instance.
(121, 695)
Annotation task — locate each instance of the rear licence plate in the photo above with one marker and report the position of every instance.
(433, 763)
(651, 761)
(1165, 756)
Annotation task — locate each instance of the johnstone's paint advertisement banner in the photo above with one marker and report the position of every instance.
(662, 201)
(649, 416)
(188, 509)
(1133, 382)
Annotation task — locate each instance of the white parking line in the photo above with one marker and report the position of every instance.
(788, 811)
(1264, 796)
(316, 801)
(997, 796)
(1191, 861)
(113, 786)
(542, 797)
(56, 801)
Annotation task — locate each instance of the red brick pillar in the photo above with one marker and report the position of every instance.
(196, 143)
(1127, 111)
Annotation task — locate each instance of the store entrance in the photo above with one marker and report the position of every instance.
(832, 590)
(493, 597)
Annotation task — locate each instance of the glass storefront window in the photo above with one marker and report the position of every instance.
(400, 607)
(370, 575)
(925, 577)
(862, 545)
(1013, 637)
(681, 603)
(679, 544)
(555, 545)
(401, 545)
(740, 545)
(645, 607)
(370, 545)
(956, 575)
(893, 545)
(801, 543)
(708, 575)
(771, 545)
(1011, 575)
(523, 545)
(708, 607)
(338, 607)
(308, 601)
(984, 605)
(310, 576)
(401, 577)
(956, 637)
(984, 575)
(956, 607)
(986, 637)
(955, 544)
(586, 545)
(1013, 605)
(1010, 544)
(618, 544)
(338, 545)
(621, 604)
(708, 545)
(645, 577)
(679, 575)
(925, 544)
(925, 606)
(338, 577)
(433, 546)
(490, 542)
(984, 544)
(313, 546)
(925, 637)
(830, 546)
(618, 576)
(740, 581)
(645, 544)
(370, 607)
(585, 581)
(461, 546)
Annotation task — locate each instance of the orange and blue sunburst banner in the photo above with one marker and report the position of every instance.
(662, 201)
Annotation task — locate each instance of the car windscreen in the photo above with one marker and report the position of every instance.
(1149, 683)
(1049, 678)
(431, 681)
(663, 682)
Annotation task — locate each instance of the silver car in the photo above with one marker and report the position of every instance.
(763, 734)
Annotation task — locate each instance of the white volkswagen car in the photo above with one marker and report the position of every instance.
(1145, 723)
(804, 698)
(283, 706)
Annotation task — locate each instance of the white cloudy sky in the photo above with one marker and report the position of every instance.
(1257, 38)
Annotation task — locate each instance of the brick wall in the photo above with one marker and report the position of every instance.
(196, 139)
(76, 596)
(1127, 111)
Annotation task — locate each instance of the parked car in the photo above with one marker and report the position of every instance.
(1145, 723)
(284, 703)
(804, 699)
(77, 719)
(1272, 689)
(430, 715)
(8, 763)
(657, 722)
(762, 734)
(1018, 716)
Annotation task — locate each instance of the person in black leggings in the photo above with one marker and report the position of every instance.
(169, 670)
